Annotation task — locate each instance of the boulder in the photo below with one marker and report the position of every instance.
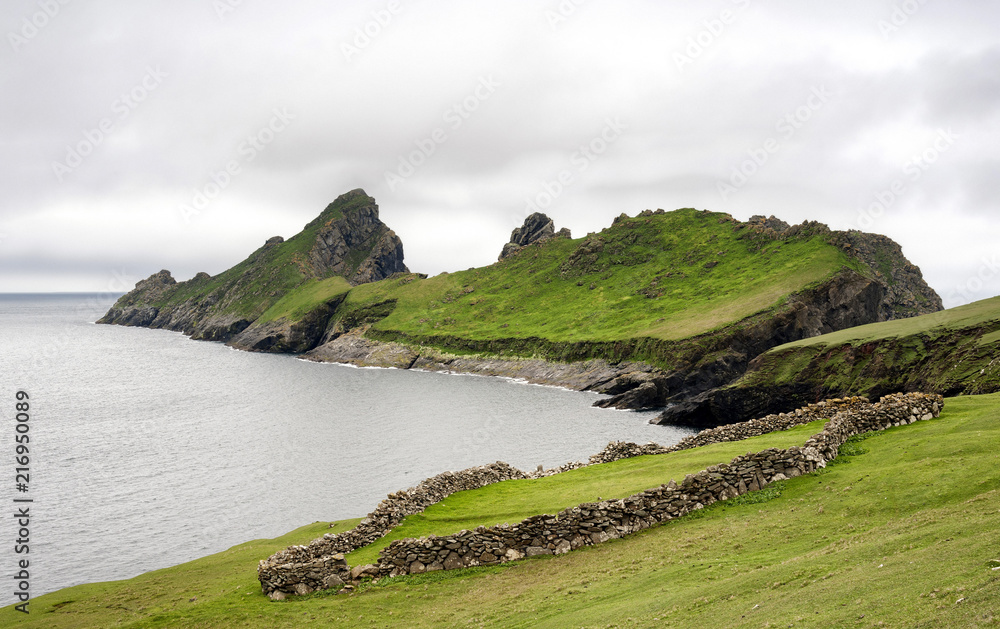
(536, 228)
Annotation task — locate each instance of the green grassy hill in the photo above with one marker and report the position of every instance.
(952, 352)
(682, 300)
(666, 276)
(900, 531)
(345, 245)
(685, 298)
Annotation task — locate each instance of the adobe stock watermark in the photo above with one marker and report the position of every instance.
(968, 291)
(454, 117)
(563, 12)
(467, 448)
(224, 7)
(712, 30)
(786, 126)
(32, 25)
(95, 136)
(248, 150)
(581, 159)
(913, 170)
(900, 16)
(368, 32)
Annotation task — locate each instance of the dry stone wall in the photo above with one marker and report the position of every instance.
(302, 569)
(735, 432)
(321, 565)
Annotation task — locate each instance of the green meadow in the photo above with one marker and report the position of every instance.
(901, 531)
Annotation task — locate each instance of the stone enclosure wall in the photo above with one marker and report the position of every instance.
(321, 565)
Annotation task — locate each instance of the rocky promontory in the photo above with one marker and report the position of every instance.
(660, 310)
(347, 240)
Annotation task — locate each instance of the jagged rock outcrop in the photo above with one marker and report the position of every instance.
(134, 309)
(907, 294)
(347, 239)
(357, 245)
(536, 228)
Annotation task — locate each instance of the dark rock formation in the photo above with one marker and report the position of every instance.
(340, 242)
(134, 309)
(847, 300)
(907, 294)
(348, 240)
(285, 336)
(536, 228)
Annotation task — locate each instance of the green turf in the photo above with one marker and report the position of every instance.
(903, 534)
(982, 312)
(950, 352)
(666, 276)
(513, 501)
(305, 298)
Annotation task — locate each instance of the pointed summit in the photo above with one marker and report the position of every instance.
(347, 240)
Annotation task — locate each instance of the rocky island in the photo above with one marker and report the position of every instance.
(659, 310)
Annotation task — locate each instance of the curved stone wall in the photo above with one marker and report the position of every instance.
(321, 565)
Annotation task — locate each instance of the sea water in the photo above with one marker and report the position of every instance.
(148, 449)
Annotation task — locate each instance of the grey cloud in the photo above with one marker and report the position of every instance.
(688, 127)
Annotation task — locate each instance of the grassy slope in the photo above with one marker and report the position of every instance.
(943, 350)
(514, 501)
(649, 279)
(253, 286)
(982, 312)
(896, 535)
(305, 298)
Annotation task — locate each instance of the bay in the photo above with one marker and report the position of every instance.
(149, 449)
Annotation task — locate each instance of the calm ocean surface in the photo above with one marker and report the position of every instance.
(149, 449)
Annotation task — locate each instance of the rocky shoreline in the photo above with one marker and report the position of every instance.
(255, 306)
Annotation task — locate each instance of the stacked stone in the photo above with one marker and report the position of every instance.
(772, 423)
(617, 450)
(594, 523)
(897, 409)
(565, 467)
(302, 569)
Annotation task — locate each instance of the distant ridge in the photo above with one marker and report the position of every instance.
(347, 242)
(657, 310)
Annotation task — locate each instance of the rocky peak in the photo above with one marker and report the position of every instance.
(153, 286)
(354, 243)
(536, 228)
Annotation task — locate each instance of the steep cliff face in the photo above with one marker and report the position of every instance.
(889, 287)
(347, 240)
(954, 352)
(712, 361)
(907, 294)
(357, 245)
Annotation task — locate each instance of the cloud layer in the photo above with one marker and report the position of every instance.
(183, 134)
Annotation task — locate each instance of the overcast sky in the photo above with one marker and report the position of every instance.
(182, 134)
